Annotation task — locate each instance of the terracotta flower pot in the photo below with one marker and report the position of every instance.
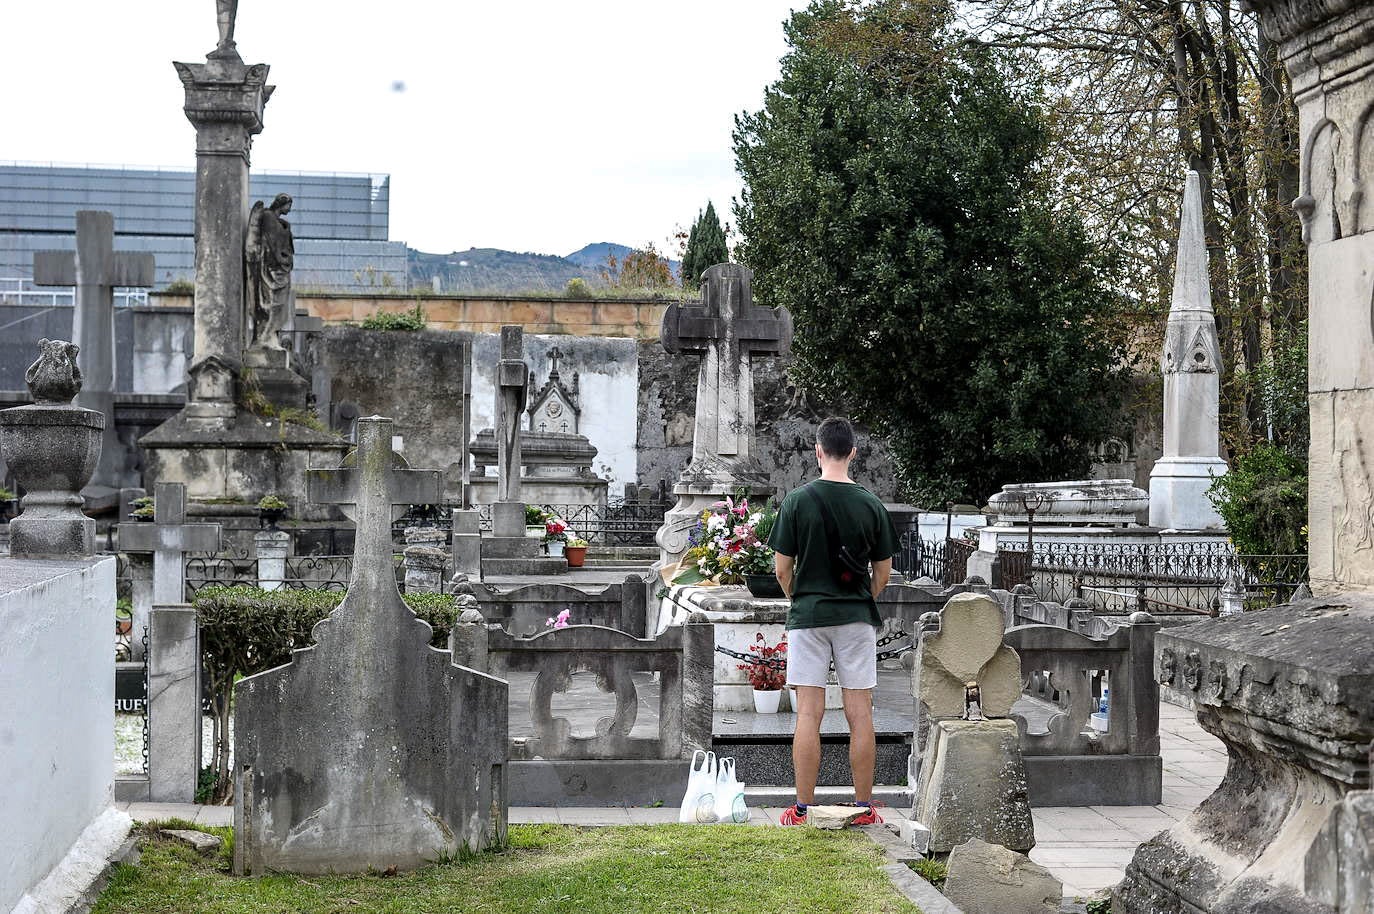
(576, 555)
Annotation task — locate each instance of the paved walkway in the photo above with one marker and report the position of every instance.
(1087, 847)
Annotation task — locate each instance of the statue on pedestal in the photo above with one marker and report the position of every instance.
(225, 13)
(270, 255)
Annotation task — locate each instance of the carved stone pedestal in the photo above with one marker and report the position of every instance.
(1290, 690)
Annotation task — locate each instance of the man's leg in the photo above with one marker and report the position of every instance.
(858, 710)
(806, 741)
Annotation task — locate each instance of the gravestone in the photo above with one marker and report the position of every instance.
(95, 268)
(370, 749)
(971, 781)
(1191, 364)
(728, 329)
(989, 879)
(1290, 689)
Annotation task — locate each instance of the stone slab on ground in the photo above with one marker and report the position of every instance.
(198, 841)
(831, 818)
(989, 879)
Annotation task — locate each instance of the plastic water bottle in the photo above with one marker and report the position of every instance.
(1102, 702)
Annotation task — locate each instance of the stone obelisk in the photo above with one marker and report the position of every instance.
(1191, 364)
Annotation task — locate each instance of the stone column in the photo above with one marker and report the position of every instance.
(174, 705)
(224, 100)
(271, 547)
(424, 560)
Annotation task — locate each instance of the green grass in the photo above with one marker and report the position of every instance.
(932, 871)
(546, 869)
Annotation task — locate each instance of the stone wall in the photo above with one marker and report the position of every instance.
(56, 743)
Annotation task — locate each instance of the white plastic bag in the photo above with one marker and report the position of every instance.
(730, 803)
(699, 802)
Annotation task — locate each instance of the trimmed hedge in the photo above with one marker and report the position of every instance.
(246, 630)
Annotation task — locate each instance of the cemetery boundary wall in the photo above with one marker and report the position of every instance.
(56, 742)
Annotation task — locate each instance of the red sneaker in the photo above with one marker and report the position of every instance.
(870, 817)
(792, 816)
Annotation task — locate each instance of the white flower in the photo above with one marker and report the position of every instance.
(716, 522)
(755, 518)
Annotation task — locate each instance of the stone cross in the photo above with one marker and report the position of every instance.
(728, 328)
(371, 491)
(555, 354)
(169, 538)
(95, 268)
(512, 389)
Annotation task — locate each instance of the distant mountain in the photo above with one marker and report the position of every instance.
(492, 271)
(594, 256)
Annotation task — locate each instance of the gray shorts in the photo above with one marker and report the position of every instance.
(853, 647)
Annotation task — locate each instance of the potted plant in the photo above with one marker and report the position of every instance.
(535, 517)
(767, 672)
(124, 617)
(555, 535)
(7, 502)
(729, 546)
(576, 551)
(141, 509)
(271, 509)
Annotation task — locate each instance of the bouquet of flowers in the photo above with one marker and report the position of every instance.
(729, 541)
(767, 668)
(555, 528)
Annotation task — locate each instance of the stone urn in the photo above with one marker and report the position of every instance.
(52, 448)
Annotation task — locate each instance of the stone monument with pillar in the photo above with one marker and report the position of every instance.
(1191, 364)
(95, 268)
(727, 328)
(1290, 689)
(223, 444)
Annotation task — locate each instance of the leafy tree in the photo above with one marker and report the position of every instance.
(705, 247)
(642, 268)
(893, 203)
(1263, 501)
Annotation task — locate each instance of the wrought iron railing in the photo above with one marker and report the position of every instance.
(617, 523)
(1158, 577)
(942, 560)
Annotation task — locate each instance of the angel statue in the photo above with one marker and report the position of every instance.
(226, 11)
(269, 255)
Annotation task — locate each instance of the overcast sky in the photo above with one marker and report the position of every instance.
(530, 125)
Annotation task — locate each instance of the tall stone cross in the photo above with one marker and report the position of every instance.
(728, 329)
(169, 538)
(371, 481)
(96, 268)
(512, 390)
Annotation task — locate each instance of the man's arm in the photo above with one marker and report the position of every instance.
(782, 570)
(882, 573)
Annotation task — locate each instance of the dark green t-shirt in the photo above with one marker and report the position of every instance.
(818, 596)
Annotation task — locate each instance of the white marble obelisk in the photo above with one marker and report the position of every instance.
(1191, 364)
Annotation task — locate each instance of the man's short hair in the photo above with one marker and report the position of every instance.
(836, 437)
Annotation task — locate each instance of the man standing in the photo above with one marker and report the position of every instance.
(834, 543)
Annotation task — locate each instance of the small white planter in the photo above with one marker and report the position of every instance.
(1099, 721)
(556, 548)
(767, 702)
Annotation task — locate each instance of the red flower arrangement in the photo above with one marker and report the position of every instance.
(767, 669)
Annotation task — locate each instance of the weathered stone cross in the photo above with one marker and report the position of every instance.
(372, 479)
(95, 268)
(169, 538)
(728, 328)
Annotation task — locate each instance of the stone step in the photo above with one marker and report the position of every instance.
(536, 565)
(896, 797)
(765, 761)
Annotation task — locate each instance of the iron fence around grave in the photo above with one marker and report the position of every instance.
(942, 560)
(1158, 577)
(617, 523)
(303, 572)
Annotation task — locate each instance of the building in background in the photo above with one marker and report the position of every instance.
(340, 223)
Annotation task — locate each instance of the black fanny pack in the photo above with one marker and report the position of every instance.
(850, 568)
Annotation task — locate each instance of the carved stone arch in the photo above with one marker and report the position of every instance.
(1362, 162)
(1318, 204)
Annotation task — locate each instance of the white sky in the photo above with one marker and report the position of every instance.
(529, 125)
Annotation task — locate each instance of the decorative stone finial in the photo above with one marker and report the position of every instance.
(54, 378)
